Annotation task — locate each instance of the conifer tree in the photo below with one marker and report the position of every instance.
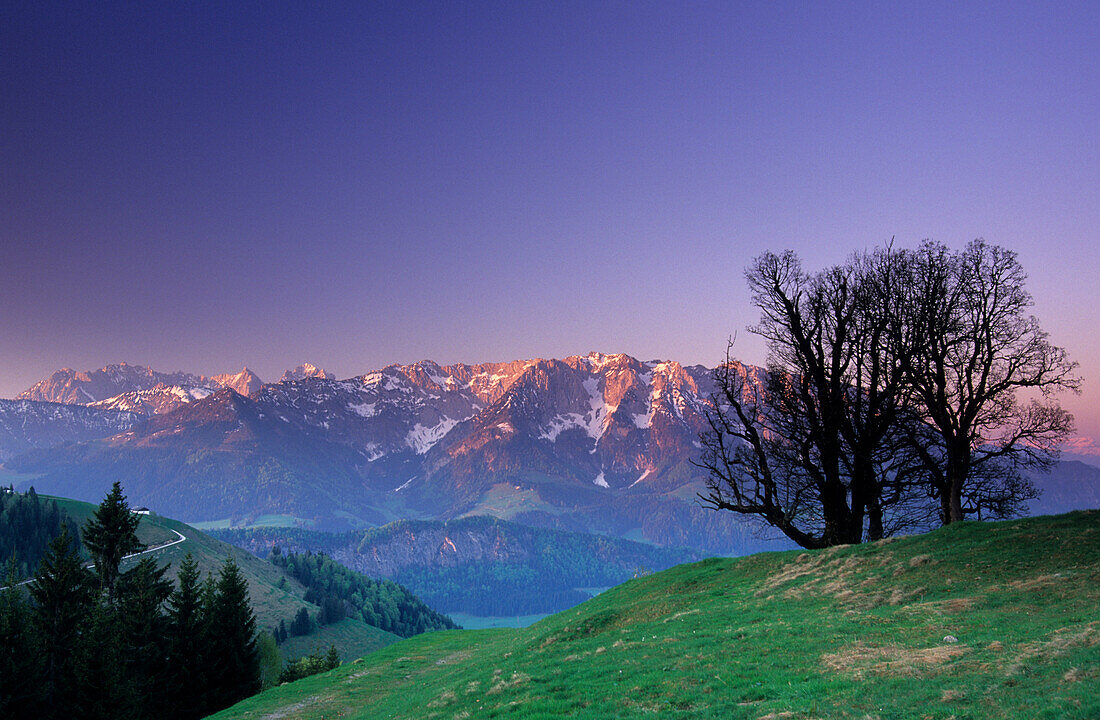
(301, 624)
(185, 645)
(104, 689)
(63, 599)
(281, 634)
(231, 640)
(21, 670)
(142, 593)
(110, 535)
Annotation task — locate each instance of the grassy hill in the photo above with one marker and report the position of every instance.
(976, 620)
(274, 595)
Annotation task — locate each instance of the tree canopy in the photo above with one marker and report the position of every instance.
(891, 395)
(110, 535)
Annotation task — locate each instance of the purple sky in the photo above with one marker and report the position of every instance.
(195, 187)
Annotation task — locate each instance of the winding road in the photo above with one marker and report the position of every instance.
(181, 538)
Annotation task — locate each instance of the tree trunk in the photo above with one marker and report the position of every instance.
(956, 503)
(957, 472)
(874, 520)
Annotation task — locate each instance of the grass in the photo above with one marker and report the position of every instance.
(274, 595)
(351, 637)
(482, 622)
(223, 524)
(505, 501)
(149, 531)
(976, 620)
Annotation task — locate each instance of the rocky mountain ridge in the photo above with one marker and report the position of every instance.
(559, 443)
(27, 424)
(135, 388)
(591, 443)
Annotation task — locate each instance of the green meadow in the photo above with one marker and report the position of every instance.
(975, 620)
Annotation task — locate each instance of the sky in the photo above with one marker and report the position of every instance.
(204, 186)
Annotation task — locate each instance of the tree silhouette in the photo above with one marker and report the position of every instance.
(234, 671)
(891, 396)
(982, 349)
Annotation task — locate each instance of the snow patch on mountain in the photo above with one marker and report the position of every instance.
(598, 361)
(154, 400)
(392, 384)
(601, 481)
(367, 410)
(596, 418)
(561, 423)
(306, 371)
(421, 438)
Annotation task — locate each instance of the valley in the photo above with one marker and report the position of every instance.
(464, 483)
(477, 566)
(541, 360)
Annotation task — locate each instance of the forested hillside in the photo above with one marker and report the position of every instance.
(27, 525)
(342, 593)
(100, 641)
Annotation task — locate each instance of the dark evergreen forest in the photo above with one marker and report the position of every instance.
(95, 642)
(27, 525)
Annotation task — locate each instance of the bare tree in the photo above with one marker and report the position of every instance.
(892, 396)
(983, 350)
(809, 448)
(752, 468)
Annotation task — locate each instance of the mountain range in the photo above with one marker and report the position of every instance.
(109, 384)
(595, 443)
(592, 443)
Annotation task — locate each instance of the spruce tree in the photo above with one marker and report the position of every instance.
(301, 624)
(186, 678)
(104, 688)
(231, 638)
(281, 633)
(63, 601)
(142, 593)
(111, 534)
(21, 669)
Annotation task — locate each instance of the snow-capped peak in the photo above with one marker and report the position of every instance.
(305, 371)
